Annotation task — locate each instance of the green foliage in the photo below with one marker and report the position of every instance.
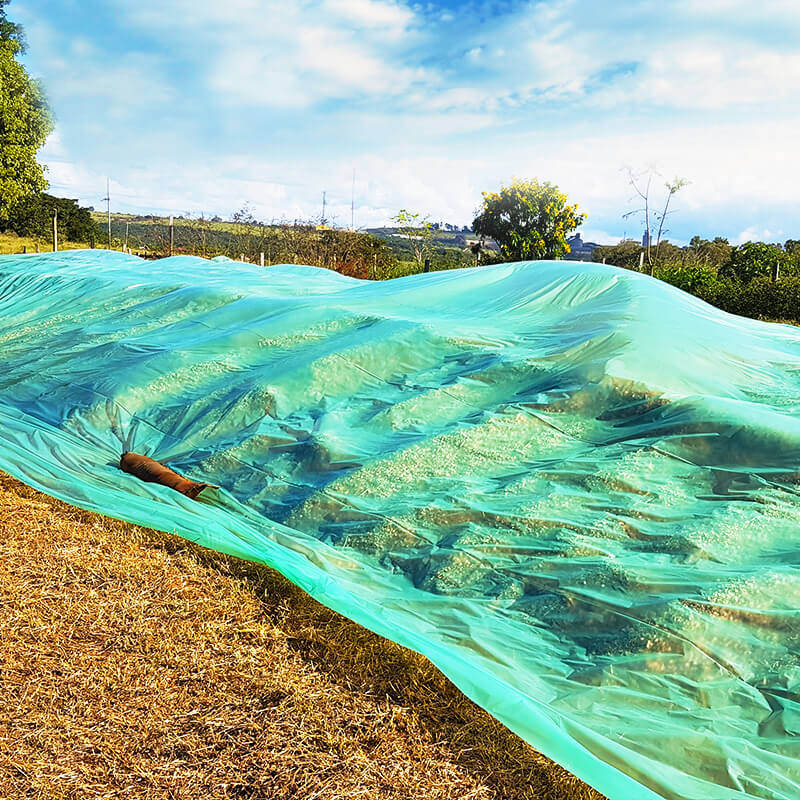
(25, 122)
(792, 249)
(691, 278)
(735, 279)
(418, 230)
(34, 217)
(357, 254)
(701, 254)
(528, 219)
(10, 31)
(626, 254)
(709, 254)
(756, 260)
(762, 298)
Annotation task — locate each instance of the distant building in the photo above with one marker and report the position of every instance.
(486, 244)
(580, 250)
(646, 239)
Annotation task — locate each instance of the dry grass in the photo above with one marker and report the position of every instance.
(134, 664)
(11, 243)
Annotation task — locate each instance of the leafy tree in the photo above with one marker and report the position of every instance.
(707, 254)
(625, 254)
(418, 229)
(528, 220)
(753, 260)
(792, 249)
(34, 217)
(25, 121)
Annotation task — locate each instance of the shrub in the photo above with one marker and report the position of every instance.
(34, 217)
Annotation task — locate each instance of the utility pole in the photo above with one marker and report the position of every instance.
(322, 221)
(107, 198)
(353, 202)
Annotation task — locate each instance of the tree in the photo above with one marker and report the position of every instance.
(25, 121)
(528, 220)
(34, 217)
(707, 254)
(754, 260)
(625, 254)
(418, 230)
(651, 217)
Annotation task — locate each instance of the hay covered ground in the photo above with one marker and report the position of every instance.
(134, 664)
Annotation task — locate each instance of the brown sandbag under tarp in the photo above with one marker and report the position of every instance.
(147, 469)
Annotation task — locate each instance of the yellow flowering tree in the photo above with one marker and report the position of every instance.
(528, 220)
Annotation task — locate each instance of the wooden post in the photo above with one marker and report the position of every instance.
(241, 257)
(641, 260)
(374, 265)
(55, 230)
(171, 234)
(262, 259)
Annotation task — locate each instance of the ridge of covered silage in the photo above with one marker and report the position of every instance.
(574, 488)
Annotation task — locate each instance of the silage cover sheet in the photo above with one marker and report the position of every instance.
(574, 488)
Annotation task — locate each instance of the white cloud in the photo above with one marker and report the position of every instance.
(757, 234)
(393, 17)
(429, 113)
(292, 55)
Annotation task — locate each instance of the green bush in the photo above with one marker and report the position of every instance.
(760, 299)
(753, 260)
(34, 217)
(691, 279)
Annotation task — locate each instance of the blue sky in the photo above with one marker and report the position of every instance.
(201, 106)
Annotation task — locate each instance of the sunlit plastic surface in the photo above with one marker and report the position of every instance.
(573, 487)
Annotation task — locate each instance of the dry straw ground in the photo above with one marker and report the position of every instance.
(134, 664)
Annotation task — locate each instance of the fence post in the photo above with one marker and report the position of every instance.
(262, 259)
(55, 230)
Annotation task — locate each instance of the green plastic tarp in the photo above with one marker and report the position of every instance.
(573, 487)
